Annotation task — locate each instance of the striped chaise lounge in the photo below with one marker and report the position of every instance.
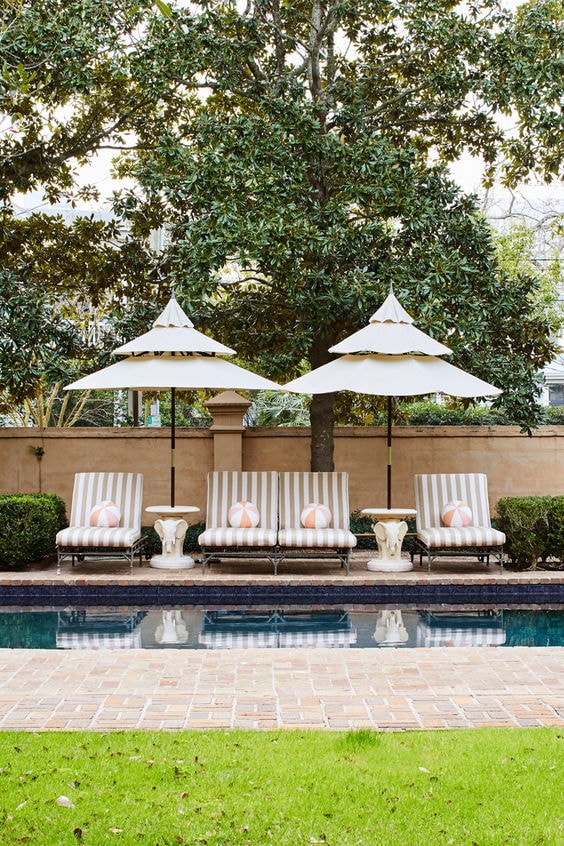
(295, 540)
(432, 494)
(83, 540)
(222, 538)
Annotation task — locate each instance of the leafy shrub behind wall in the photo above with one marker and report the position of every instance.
(430, 413)
(433, 413)
(554, 415)
(28, 527)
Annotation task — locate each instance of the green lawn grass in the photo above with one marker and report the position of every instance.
(289, 788)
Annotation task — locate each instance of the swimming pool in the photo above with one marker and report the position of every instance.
(257, 626)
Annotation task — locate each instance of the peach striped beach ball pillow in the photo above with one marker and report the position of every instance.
(105, 515)
(456, 514)
(315, 515)
(243, 515)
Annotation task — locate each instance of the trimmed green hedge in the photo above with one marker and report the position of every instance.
(28, 526)
(534, 526)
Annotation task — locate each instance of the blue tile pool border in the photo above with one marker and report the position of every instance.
(501, 594)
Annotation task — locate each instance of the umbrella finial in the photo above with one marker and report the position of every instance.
(391, 311)
(173, 315)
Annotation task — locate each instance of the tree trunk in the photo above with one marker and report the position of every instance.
(322, 416)
(321, 411)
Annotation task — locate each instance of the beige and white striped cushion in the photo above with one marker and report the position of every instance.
(321, 538)
(469, 536)
(328, 640)
(125, 489)
(237, 537)
(299, 489)
(119, 537)
(433, 490)
(226, 487)
(238, 640)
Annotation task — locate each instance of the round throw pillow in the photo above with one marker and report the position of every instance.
(243, 515)
(456, 514)
(105, 515)
(315, 515)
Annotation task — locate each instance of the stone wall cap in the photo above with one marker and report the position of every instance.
(227, 398)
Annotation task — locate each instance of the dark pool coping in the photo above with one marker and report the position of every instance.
(451, 582)
(549, 593)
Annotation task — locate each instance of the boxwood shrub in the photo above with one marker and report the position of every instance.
(555, 546)
(28, 526)
(534, 526)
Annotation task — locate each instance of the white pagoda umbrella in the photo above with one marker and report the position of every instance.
(391, 357)
(171, 356)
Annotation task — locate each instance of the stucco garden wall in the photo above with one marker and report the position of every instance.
(515, 464)
(69, 451)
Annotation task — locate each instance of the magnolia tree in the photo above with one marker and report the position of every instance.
(63, 69)
(295, 141)
(295, 154)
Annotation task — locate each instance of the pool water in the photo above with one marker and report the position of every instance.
(195, 627)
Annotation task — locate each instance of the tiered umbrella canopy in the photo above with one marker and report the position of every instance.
(391, 357)
(173, 355)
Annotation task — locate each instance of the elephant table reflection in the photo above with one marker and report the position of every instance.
(389, 527)
(171, 527)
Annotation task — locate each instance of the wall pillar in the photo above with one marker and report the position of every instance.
(228, 410)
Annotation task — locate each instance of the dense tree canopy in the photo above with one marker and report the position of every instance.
(295, 153)
(65, 88)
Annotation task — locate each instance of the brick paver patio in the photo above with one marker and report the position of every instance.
(437, 688)
(284, 688)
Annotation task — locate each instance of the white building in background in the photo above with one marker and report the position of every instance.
(553, 393)
(541, 209)
(67, 212)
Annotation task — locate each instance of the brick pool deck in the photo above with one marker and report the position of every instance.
(335, 689)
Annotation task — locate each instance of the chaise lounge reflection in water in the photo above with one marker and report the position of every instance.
(276, 629)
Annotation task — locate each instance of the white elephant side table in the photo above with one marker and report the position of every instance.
(171, 527)
(389, 527)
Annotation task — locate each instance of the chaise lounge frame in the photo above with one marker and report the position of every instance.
(432, 492)
(298, 489)
(81, 542)
(280, 499)
(220, 540)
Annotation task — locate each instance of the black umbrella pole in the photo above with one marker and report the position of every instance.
(389, 453)
(172, 445)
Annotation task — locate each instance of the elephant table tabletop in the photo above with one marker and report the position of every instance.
(389, 527)
(171, 527)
